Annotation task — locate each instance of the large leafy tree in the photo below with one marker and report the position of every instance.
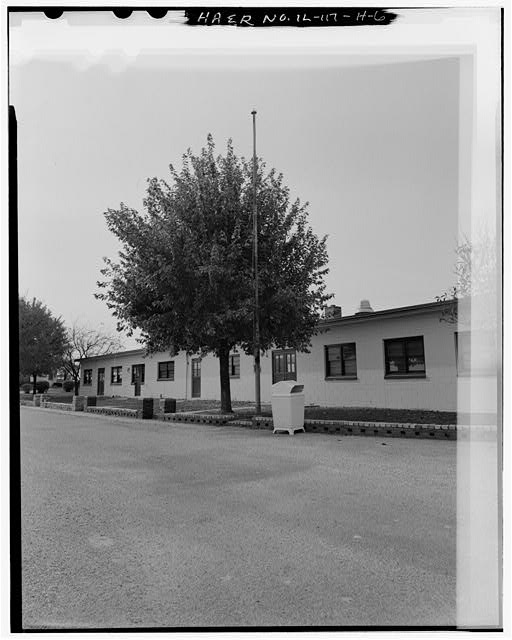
(85, 342)
(185, 270)
(42, 339)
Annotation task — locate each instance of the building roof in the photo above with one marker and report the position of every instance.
(131, 352)
(410, 310)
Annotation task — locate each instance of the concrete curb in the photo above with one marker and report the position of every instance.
(346, 427)
(114, 411)
(339, 427)
(367, 428)
(196, 418)
(333, 427)
(60, 406)
(390, 429)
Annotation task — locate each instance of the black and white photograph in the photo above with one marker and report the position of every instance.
(255, 318)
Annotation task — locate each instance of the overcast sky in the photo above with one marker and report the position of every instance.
(371, 143)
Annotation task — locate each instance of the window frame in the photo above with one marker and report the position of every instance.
(168, 377)
(87, 378)
(404, 374)
(234, 364)
(119, 371)
(342, 376)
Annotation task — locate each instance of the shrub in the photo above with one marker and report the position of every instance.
(42, 386)
(27, 387)
(57, 384)
(68, 385)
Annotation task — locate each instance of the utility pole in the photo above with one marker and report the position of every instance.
(257, 367)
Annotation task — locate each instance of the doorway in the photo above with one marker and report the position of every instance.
(284, 365)
(196, 377)
(137, 377)
(101, 382)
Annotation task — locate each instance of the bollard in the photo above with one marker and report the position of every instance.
(167, 405)
(37, 401)
(163, 405)
(147, 408)
(78, 403)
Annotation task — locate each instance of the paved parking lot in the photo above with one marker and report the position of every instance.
(129, 523)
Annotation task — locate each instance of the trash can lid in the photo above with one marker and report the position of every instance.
(286, 387)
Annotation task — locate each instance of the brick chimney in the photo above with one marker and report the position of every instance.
(332, 311)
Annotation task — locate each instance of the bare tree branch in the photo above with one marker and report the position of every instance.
(84, 342)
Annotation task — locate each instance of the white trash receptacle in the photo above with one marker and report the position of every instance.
(288, 406)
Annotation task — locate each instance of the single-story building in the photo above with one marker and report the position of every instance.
(404, 358)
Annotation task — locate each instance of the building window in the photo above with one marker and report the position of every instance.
(340, 360)
(138, 373)
(116, 377)
(405, 357)
(234, 366)
(166, 370)
(87, 376)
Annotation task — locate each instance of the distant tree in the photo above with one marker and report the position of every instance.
(84, 342)
(475, 271)
(185, 271)
(42, 339)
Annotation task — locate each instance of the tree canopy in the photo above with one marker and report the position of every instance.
(185, 271)
(42, 339)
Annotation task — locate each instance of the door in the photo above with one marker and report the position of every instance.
(196, 377)
(284, 365)
(101, 382)
(137, 377)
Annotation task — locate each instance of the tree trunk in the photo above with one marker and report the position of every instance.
(77, 386)
(225, 389)
(34, 390)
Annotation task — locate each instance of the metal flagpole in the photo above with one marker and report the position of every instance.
(257, 367)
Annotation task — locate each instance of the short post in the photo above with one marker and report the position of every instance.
(147, 408)
(78, 403)
(167, 405)
(37, 400)
(162, 406)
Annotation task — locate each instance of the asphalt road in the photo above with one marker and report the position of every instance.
(130, 523)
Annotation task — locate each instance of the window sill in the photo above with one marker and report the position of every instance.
(116, 384)
(328, 378)
(405, 376)
(234, 377)
(165, 379)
